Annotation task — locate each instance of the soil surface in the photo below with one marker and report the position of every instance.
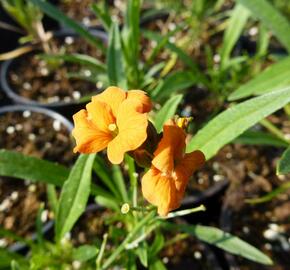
(54, 81)
(36, 135)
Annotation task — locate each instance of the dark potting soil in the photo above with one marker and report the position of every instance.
(266, 226)
(37, 135)
(50, 82)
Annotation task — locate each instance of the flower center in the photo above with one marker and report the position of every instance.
(114, 129)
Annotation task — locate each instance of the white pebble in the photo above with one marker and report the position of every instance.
(76, 95)
(67, 99)
(171, 26)
(18, 127)
(216, 58)
(44, 216)
(26, 114)
(99, 84)
(69, 40)
(27, 86)
(253, 31)
(229, 155)
(246, 229)
(76, 265)
(218, 177)
(86, 21)
(56, 125)
(197, 255)
(10, 130)
(268, 246)
(3, 243)
(44, 71)
(14, 195)
(5, 205)
(31, 136)
(87, 73)
(200, 181)
(172, 39)
(165, 260)
(32, 188)
(270, 234)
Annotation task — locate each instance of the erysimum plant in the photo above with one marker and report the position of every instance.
(117, 121)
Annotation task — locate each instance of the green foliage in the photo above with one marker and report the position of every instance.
(115, 61)
(284, 163)
(167, 111)
(74, 195)
(231, 123)
(20, 166)
(224, 241)
(271, 17)
(273, 78)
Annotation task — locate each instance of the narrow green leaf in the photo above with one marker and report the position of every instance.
(101, 169)
(143, 254)
(283, 166)
(115, 62)
(59, 16)
(226, 241)
(120, 182)
(157, 265)
(271, 195)
(108, 203)
(167, 111)
(174, 82)
(74, 195)
(233, 31)
(6, 257)
(103, 15)
(80, 59)
(260, 138)
(85, 253)
(273, 78)
(231, 123)
(17, 165)
(271, 18)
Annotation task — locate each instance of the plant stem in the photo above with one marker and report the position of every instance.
(101, 253)
(273, 129)
(129, 237)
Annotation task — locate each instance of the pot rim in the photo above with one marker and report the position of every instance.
(18, 99)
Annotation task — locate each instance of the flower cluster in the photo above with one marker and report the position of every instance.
(118, 120)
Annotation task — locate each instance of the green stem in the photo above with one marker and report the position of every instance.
(273, 129)
(101, 253)
(184, 212)
(129, 237)
(133, 179)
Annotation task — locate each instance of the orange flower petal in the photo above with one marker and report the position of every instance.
(132, 131)
(146, 104)
(170, 148)
(89, 139)
(161, 191)
(100, 115)
(113, 96)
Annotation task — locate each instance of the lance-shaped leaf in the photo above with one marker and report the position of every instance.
(74, 195)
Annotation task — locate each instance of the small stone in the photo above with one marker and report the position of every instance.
(18, 127)
(69, 40)
(26, 114)
(86, 21)
(56, 125)
(32, 188)
(31, 137)
(171, 26)
(44, 71)
(6, 203)
(253, 31)
(229, 155)
(270, 234)
(99, 84)
(44, 216)
(3, 243)
(14, 195)
(197, 255)
(246, 230)
(87, 73)
(67, 99)
(200, 181)
(268, 246)
(76, 95)
(218, 177)
(10, 130)
(165, 260)
(217, 58)
(27, 86)
(76, 265)
(172, 39)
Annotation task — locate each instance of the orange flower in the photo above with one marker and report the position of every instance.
(115, 119)
(165, 182)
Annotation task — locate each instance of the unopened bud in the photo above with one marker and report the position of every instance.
(183, 122)
(125, 208)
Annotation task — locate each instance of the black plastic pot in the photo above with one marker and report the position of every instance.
(67, 108)
(19, 246)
